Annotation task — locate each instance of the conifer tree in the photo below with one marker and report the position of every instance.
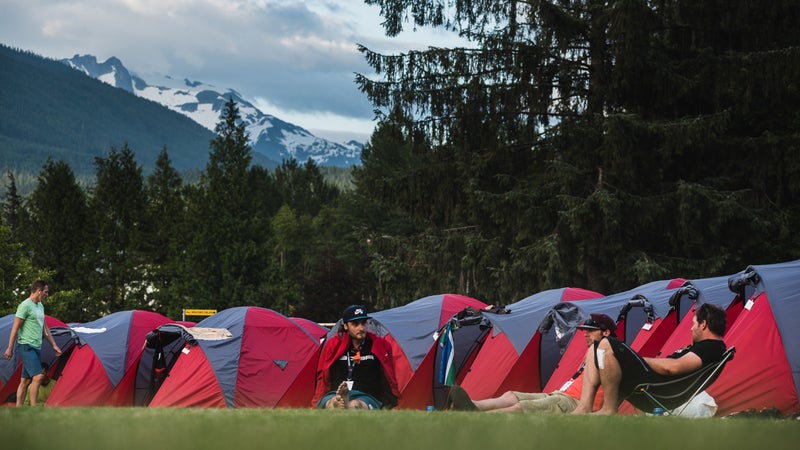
(119, 206)
(58, 230)
(16, 271)
(12, 204)
(167, 233)
(226, 257)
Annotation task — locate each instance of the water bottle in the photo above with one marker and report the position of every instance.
(429, 408)
(658, 411)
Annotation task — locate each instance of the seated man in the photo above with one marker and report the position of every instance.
(618, 369)
(564, 400)
(359, 363)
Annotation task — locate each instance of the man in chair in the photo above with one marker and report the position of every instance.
(613, 365)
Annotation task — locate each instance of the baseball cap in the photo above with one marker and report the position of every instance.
(598, 322)
(354, 312)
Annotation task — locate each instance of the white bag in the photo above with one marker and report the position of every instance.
(702, 405)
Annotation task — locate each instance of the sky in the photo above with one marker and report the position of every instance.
(295, 60)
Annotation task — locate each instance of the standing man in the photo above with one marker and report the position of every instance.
(30, 325)
(359, 363)
(613, 365)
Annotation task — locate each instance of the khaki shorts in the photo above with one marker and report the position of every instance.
(557, 402)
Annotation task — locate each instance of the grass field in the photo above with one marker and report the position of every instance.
(142, 429)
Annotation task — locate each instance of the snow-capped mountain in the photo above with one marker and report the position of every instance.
(203, 103)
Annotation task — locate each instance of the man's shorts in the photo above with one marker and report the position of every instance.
(31, 358)
(372, 402)
(557, 402)
(634, 369)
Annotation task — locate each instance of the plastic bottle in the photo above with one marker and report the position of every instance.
(658, 411)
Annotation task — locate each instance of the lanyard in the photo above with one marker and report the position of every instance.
(352, 362)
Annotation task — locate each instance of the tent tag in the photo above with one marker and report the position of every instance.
(185, 351)
(647, 326)
(749, 304)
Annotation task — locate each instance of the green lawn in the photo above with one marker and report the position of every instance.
(164, 429)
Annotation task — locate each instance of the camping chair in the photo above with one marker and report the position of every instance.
(677, 393)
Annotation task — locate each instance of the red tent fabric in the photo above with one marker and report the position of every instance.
(102, 369)
(765, 372)
(268, 361)
(313, 328)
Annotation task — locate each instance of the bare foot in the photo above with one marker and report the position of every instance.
(342, 398)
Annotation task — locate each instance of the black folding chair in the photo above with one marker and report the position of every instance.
(678, 392)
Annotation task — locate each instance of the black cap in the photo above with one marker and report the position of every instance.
(598, 322)
(354, 312)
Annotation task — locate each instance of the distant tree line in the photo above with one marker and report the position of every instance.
(594, 144)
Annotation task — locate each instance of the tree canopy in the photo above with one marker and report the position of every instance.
(595, 144)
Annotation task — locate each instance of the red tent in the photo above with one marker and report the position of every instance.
(102, 368)
(512, 356)
(410, 330)
(268, 360)
(765, 373)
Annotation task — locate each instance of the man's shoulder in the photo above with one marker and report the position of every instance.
(710, 343)
(709, 350)
(24, 307)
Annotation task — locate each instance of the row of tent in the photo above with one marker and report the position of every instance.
(255, 357)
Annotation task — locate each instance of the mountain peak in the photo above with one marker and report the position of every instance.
(273, 138)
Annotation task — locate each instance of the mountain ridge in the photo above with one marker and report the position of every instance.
(270, 136)
(49, 111)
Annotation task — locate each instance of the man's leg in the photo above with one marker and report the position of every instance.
(34, 390)
(22, 390)
(590, 384)
(357, 404)
(507, 402)
(610, 376)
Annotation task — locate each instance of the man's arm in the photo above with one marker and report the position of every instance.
(49, 336)
(675, 366)
(13, 337)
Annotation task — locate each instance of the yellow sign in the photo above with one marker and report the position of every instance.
(200, 312)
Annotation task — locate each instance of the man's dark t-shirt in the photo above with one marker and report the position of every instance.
(367, 372)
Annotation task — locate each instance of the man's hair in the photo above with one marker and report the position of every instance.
(38, 284)
(713, 316)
